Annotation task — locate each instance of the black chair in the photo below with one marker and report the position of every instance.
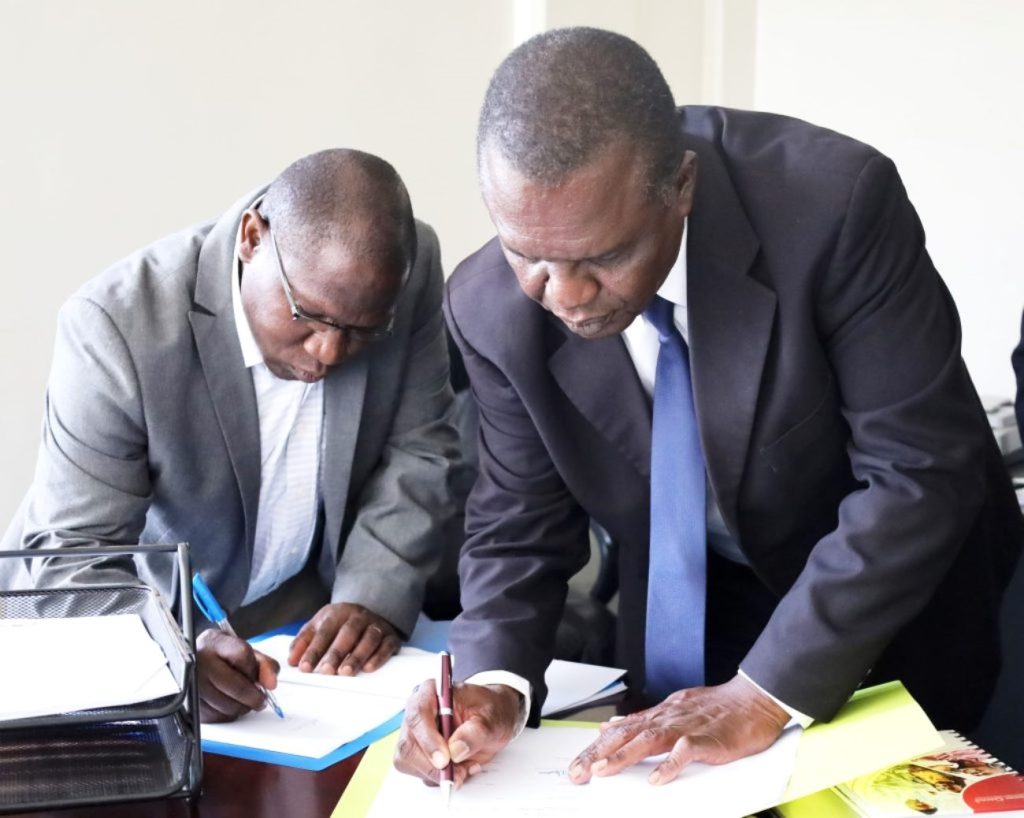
(587, 630)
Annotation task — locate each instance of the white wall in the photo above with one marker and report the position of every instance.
(671, 30)
(124, 120)
(935, 84)
(121, 121)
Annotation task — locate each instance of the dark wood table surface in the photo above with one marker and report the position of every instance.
(233, 788)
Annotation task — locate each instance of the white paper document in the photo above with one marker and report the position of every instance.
(572, 683)
(569, 683)
(323, 712)
(529, 777)
(397, 678)
(53, 666)
(317, 721)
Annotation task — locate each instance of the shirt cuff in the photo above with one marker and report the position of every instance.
(794, 715)
(517, 683)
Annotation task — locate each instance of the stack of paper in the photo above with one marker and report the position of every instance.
(330, 717)
(54, 666)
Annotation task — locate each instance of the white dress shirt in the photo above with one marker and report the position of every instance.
(291, 420)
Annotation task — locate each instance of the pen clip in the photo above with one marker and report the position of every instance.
(205, 600)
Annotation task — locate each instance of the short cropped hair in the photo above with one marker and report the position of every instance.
(562, 96)
(343, 195)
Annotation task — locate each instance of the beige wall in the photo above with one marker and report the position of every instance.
(124, 120)
(671, 30)
(936, 84)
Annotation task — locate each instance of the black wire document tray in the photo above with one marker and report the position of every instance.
(106, 601)
(131, 752)
(103, 762)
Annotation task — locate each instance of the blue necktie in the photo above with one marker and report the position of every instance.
(677, 576)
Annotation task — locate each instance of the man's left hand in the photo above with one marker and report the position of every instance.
(713, 725)
(344, 639)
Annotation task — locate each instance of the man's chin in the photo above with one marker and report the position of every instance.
(290, 373)
(307, 377)
(278, 371)
(596, 328)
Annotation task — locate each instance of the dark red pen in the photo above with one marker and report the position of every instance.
(448, 773)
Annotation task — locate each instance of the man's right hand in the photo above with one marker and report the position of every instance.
(485, 720)
(228, 670)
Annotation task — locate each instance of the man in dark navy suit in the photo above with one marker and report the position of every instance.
(854, 516)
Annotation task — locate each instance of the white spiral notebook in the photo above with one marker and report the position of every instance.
(958, 779)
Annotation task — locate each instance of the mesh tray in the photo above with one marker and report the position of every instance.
(96, 763)
(105, 600)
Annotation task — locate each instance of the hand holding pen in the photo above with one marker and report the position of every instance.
(233, 678)
(481, 720)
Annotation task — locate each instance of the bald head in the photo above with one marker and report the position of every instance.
(345, 196)
(561, 97)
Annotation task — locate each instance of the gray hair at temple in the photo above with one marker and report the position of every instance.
(348, 196)
(563, 95)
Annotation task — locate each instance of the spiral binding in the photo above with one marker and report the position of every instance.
(986, 756)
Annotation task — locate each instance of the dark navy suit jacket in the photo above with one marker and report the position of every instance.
(844, 441)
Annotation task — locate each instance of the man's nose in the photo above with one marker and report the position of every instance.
(568, 288)
(329, 348)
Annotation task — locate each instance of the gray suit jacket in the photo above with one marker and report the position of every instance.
(151, 433)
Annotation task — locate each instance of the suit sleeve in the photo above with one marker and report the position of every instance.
(92, 484)
(891, 334)
(525, 537)
(396, 539)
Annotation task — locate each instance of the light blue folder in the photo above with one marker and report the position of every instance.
(427, 635)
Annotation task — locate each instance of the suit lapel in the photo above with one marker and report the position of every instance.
(730, 316)
(344, 394)
(599, 378)
(229, 382)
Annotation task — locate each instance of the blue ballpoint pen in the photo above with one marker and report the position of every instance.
(212, 610)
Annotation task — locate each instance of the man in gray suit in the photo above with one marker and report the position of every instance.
(273, 389)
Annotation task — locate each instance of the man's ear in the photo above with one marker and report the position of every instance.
(685, 183)
(251, 235)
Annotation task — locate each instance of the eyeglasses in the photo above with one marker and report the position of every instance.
(321, 324)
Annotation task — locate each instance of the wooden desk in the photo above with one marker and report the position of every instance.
(233, 788)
